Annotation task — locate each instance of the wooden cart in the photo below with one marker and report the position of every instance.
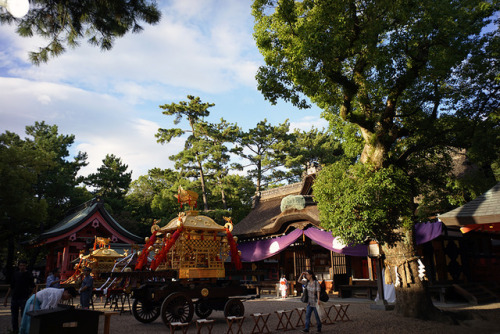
(187, 273)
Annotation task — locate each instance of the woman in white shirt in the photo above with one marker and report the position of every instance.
(43, 300)
(313, 289)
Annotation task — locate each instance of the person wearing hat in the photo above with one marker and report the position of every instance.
(86, 289)
(43, 300)
(53, 280)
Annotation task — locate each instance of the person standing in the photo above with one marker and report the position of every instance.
(283, 287)
(21, 287)
(53, 280)
(43, 300)
(86, 289)
(313, 290)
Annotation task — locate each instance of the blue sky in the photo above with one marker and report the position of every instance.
(109, 100)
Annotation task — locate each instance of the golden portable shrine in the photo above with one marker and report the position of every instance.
(196, 246)
(181, 269)
(101, 260)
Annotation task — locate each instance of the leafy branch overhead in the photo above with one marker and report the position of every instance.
(66, 23)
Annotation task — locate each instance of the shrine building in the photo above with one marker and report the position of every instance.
(76, 234)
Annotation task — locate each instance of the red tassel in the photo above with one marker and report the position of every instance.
(162, 255)
(144, 255)
(235, 257)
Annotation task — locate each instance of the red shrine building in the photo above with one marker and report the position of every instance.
(76, 234)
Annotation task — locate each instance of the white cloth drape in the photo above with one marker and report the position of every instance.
(389, 291)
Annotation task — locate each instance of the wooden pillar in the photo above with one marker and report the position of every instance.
(381, 303)
(295, 275)
(65, 260)
(49, 262)
(308, 253)
(370, 269)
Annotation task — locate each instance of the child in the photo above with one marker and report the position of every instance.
(283, 287)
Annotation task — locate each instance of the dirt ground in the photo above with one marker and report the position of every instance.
(363, 319)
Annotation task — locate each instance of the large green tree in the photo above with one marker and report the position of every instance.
(151, 197)
(21, 209)
(263, 147)
(190, 160)
(38, 183)
(308, 150)
(65, 23)
(218, 136)
(58, 183)
(111, 182)
(386, 67)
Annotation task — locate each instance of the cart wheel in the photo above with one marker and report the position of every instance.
(145, 312)
(234, 307)
(176, 308)
(202, 309)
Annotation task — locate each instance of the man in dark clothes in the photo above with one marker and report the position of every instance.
(86, 289)
(21, 287)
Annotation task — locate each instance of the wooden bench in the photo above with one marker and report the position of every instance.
(179, 325)
(208, 324)
(271, 287)
(232, 320)
(363, 289)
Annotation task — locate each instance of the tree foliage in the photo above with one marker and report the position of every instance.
(218, 136)
(57, 183)
(66, 23)
(350, 194)
(38, 183)
(111, 182)
(264, 149)
(308, 150)
(392, 69)
(191, 159)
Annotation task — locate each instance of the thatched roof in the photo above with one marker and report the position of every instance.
(485, 209)
(266, 217)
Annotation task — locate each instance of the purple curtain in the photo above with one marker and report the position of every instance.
(326, 240)
(262, 249)
(425, 232)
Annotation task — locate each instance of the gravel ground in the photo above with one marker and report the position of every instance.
(485, 319)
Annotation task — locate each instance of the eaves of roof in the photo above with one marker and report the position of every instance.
(485, 209)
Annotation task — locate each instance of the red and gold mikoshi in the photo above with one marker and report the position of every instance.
(144, 255)
(162, 255)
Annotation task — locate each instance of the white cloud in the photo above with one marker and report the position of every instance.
(109, 100)
(202, 46)
(86, 115)
(307, 122)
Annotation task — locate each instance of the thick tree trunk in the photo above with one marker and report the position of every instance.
(203, 188)
(374, 151)
(202, 175)
(412, 298)
(223, 197)
(259, 178)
